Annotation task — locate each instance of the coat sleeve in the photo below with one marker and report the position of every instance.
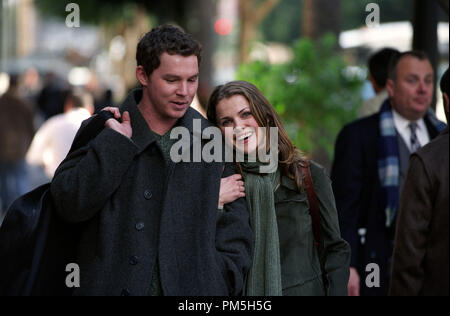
(347, 183)
(234, 241)
(412, 229)
(88, 177)
(337, 250)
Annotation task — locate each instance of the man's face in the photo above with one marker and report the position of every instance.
(172, 86)
(411, 92)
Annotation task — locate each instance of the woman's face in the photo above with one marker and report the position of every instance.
(237, 123)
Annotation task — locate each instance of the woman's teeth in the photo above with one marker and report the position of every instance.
(244, 136)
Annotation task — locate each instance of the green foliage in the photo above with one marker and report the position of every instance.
(315, 93)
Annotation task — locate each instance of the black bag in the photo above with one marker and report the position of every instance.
(35, 244)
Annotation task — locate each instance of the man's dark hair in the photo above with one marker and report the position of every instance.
(444, 83)
(395, 60)
(379, 64)
(165, 39)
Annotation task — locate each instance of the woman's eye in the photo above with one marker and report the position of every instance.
(224, 123)
(246, 114)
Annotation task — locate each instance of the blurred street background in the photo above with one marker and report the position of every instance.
(309, 57)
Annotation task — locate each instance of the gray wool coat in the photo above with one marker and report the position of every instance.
(134, 209)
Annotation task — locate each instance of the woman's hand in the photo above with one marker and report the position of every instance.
(231, 188)
(123, 128)
(353, 283)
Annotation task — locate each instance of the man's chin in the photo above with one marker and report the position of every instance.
(178, 113)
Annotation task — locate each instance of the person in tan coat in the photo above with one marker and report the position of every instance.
(420, 259)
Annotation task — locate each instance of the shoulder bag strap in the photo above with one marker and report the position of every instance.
(315, 217)
(313, 204)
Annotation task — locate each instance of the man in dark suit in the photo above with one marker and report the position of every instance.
(420, 259)
(371, 160)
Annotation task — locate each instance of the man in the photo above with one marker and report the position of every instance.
(378, 73)
(150, 225)
(420, 260)
(371, 160)
(52, 141)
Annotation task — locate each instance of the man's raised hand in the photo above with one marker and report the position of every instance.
(123, 128)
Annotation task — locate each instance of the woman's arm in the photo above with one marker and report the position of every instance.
(337, 250)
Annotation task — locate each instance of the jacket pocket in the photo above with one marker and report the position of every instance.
(309, 287)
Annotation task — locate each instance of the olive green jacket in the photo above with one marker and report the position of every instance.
(300, 267)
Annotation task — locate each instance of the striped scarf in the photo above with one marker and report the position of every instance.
(388, 161)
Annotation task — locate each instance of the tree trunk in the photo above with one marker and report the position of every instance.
(425, 22)
(251, 16)
(320, 17)
(204, 11)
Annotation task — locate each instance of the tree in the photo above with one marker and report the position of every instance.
(131, 19)
(252, 12)
(320, 17)
(315, 94)
(204, 32)
(425, 22)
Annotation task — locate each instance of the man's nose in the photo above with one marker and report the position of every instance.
(424, 86)
(239, 125)
(182, 89)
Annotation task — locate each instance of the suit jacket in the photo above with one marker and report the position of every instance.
(357, 190)
(135, 210)
(420, 260)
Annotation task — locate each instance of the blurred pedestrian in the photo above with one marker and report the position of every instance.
(51, 98)
(420, 261)
(370, 163)
(16, 133)
(378, 65)
(150, 225)
(54, 138)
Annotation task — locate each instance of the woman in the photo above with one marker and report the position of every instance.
(286, 261)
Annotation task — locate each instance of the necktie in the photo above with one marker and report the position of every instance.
(414, 140)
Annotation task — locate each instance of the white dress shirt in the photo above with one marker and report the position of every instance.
(402, 127)
(53, 140)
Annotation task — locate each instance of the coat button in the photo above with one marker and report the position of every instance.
(125, 292)
(140, 226)
(147, 194)
(133, 260)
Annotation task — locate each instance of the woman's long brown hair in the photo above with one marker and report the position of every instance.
(289, 157)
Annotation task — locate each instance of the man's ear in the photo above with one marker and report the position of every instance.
(390, 87)
(141, 76)
(374, 84)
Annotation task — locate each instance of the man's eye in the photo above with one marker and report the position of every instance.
(227, 122)
(193, 80)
